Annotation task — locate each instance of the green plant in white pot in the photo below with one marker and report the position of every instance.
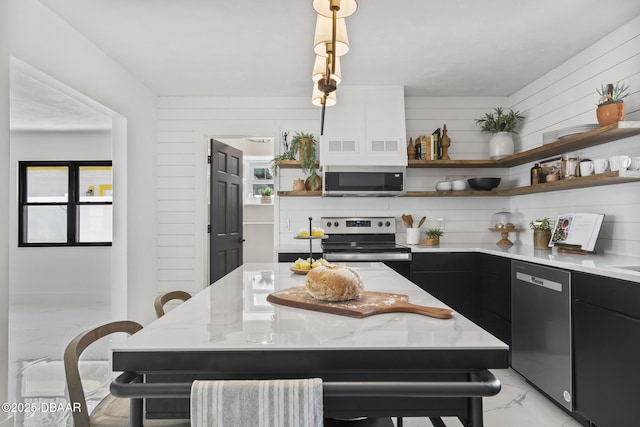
(501, 124)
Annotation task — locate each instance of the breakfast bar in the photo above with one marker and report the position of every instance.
(393, 364)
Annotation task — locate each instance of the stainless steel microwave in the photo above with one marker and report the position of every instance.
(370, 181)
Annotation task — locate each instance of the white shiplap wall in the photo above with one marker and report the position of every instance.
(185, 126)
(566, 96)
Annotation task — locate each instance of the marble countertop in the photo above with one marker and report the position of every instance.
(601, 264)
(233, 314)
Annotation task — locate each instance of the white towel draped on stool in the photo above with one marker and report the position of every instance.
(268, 403)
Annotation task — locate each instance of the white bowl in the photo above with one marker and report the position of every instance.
(459, 185)
(443, 186)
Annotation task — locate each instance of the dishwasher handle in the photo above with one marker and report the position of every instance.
(536, 281)
(545, 283)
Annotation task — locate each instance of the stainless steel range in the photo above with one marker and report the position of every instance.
(365, 239)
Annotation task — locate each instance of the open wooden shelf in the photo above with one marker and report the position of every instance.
(606, 178)
(291, 164)
(579, 141)
(300, 193)
(573, 143)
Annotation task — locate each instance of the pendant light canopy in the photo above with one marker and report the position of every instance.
(345, 8)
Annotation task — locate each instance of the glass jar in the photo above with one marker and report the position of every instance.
(569, 166)
(501, 220)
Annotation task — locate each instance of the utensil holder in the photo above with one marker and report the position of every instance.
(413, 236)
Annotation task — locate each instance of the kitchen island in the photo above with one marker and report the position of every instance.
(230, 331)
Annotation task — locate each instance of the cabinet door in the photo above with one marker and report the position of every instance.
(452, 288)
(494, 276)
(606, 317)
(448, 277)
(607, 351)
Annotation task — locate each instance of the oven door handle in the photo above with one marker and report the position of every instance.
(383, 256)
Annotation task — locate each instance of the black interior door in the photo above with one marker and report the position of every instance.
(225, 220)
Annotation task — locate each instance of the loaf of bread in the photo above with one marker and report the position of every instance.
(334, 283)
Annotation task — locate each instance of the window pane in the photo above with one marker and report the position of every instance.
(95, 183)
(46, 224)
(47, 184)
(95, 223)
(258, 187)
(262, 173)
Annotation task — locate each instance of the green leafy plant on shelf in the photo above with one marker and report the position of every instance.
(305, 146)
(612, 93)
(499, 121)
(540, 224)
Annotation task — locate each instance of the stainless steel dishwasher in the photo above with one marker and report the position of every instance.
(541, 328)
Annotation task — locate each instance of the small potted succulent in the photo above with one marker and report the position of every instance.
(265, 193)
(611, 104)
(501, 124)
(432, 237)
(541, 233)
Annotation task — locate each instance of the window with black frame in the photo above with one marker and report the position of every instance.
(65, 203)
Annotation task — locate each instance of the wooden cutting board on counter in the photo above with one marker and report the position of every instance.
(369, 304)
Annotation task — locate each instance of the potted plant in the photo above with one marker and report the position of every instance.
(541, 233)
(305, 146)
(432, 237)
(266, 193)
(611, 104)
(501, 124)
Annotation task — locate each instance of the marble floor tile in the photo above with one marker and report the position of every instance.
(517, 405)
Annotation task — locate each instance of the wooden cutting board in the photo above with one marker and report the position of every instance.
(369, 304)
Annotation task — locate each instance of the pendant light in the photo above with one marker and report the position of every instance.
(329, 43)
(324, 35)
(319, 99)
(320, 67)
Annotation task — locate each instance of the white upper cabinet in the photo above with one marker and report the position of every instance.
(365, 127)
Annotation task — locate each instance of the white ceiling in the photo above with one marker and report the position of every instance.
(264, 48)
(37, 105)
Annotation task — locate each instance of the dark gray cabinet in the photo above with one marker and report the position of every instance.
(475, 285)
(448, 277)
(494, 290)
(606, 319)
(293, 256)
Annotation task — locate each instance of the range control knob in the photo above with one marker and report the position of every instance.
(329, 224)
(388, 224)
(336, 223)
(379, 223)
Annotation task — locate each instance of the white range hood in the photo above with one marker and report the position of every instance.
(365, 128)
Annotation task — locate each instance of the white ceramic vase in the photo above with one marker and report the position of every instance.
(500, 145)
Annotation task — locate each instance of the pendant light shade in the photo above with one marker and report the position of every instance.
(324, 35)
(317, 97)
(320, 68)
(347, 7)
